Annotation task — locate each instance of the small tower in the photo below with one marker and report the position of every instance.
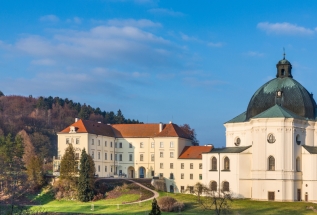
(284, 68)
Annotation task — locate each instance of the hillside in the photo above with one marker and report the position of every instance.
(43, 117)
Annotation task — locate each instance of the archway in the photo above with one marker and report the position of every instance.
(131, 172)
(141, 172)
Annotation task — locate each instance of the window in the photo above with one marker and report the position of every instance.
(237, 141)
(105, 143)
(271, 138)
(116, 145)
(115, 157)
(141, 157)
(111, 144)
(76, 156)
(152, 145)
(226, 164)
(152, 173)
(93, 155)
(182, 176)
(182, 189)
(271, 163)
(298, 139)
(98, 168)
(161, 175)
(161, 154)
(152, 157)
(98, 142)
(111, 158)
(171, 165)
(106, 157)
(213, 186)
(200, 165)
(191, 176)
(225, 186)
(161, 145)
(191, 189)
(161, 165)
(130, 157)
(214, 163)
(141, 145)
(298, 164)
(111, 169)
(77, 140)
(120, 157)
(191, 166)
(106, 169)
(99, 155)
(67, 140)
(130, 145)
(171, 175)
(171, 154)
(182, 165)
(200, 176)
(120, 145)
(92, 142)
(282, 72)
(171, 144)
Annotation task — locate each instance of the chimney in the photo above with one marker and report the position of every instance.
(170, 122)
(99, 122)
(76, 119)
(160, 127)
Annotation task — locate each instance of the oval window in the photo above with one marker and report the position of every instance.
(237, 141)
(271, 138)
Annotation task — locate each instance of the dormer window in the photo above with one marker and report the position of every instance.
(72, 129)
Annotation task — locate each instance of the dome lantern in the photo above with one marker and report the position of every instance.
(284, 68)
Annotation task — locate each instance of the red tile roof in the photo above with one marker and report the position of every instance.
(136, 130)
(173, 130)
(194, 152)
(127, 130)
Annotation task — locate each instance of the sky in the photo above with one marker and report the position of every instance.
(194, 62)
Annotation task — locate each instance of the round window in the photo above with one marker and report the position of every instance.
(271, 138)
(298, 139)
(237, 141)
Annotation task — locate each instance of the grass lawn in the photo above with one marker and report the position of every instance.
(191, 207)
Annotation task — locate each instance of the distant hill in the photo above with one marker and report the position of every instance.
(43, 117)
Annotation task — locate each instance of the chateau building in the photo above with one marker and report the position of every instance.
(270, 153)
(271, 148)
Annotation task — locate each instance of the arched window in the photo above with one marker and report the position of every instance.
(213, 186)
(271, 163)
(298, 164)
(214, 163)
(225, 186)
(226, 164)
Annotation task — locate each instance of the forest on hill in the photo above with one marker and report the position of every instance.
(41, 118)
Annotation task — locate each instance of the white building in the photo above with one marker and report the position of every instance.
(271, 149)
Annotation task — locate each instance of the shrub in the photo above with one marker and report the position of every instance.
(178, 206)
(166, 203)
(98, 197)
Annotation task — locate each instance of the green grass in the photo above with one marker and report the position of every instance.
(191, 206)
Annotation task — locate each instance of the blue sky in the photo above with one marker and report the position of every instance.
(195, 62)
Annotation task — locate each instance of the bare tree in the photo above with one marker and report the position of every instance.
(218, 201)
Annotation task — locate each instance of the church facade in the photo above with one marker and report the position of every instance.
(271, 148)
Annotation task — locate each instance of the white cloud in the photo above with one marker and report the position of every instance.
(284, 28)
(188, 38)
(254, 54)
(49, 18)
(141, 23)
(211, 44)
(194, 82)
(43, 62)
(75, 20)
(164, 11)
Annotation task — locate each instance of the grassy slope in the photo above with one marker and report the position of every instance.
(103, 207)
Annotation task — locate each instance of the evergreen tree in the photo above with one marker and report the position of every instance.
(86, 178)
(35, 172)
(155, 208)
(69, 165)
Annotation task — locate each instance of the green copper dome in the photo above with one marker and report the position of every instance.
(283, 91)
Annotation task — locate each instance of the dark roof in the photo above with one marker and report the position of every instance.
(278, 112)
(230, 149)
(310, 149)
(91, 127)
(194, 152)
(294, 98)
